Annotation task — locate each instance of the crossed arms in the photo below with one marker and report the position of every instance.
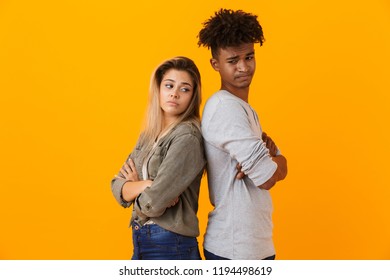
(280, 160)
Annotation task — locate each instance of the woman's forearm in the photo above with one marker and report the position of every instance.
(131, 190)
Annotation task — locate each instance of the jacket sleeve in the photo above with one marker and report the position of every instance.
(116, 188)
(183, 162)
(229, 129)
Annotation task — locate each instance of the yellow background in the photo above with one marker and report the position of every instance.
(74, 77)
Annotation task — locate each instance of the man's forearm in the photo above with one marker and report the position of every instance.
(280, 173)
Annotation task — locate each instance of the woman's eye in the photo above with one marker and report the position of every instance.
(185, 89)
(168, 85)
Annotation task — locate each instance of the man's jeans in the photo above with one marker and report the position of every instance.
(152, 242)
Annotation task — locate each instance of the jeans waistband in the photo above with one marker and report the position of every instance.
(148, 228)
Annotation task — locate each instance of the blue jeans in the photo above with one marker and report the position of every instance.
(210, 256)
(152, 242)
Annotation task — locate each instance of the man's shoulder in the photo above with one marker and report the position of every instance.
(222, 95)
(223, 102)
(222, 98)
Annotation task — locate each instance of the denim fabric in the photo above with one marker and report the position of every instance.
(152, 242)
(210, 256)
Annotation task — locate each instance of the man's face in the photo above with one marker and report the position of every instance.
(236, 65)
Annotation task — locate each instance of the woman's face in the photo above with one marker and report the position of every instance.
(176, 90)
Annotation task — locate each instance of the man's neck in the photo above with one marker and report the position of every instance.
(240, 93)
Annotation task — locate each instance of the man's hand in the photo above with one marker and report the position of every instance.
(280, 160)
(269, 184)
(270, 144)
(239, 174)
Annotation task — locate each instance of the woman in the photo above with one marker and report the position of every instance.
(161, 177)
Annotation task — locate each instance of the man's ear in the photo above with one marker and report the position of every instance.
(214, 63)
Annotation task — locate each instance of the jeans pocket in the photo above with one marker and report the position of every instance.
(164, 240)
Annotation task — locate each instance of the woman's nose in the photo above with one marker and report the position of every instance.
(175, 93)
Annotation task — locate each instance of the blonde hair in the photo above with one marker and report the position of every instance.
(153, 126)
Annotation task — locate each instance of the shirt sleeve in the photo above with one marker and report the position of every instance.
(229, 129)
(183, 162)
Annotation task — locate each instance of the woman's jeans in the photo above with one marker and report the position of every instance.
(210, 256)
(152, 242)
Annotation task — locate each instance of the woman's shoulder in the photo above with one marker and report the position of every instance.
(188, 130)
(185, 135)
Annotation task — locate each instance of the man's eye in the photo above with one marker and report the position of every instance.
(250, 57)
(232, 61)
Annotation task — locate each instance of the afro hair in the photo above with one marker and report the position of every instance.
(228, 28)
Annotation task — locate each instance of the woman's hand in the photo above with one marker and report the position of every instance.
(174, 202)
(133, 185)
(129, 172)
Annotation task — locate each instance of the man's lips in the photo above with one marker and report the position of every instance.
(243, 76)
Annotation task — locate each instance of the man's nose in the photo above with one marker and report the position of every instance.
(242, 66)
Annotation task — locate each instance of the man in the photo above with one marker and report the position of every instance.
(240, 225)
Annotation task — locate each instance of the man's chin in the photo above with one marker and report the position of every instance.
(244, 84)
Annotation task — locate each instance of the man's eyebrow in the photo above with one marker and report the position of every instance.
(232, 57)
(237, 56)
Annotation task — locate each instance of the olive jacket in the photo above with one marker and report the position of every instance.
(176, 167)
